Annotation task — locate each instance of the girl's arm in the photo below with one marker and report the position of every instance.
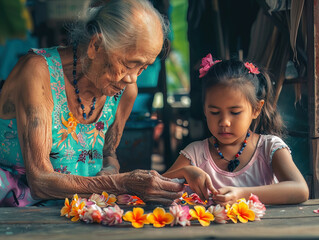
(291, 188)
(198, 180)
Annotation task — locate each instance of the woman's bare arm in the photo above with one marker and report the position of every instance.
(33, 106)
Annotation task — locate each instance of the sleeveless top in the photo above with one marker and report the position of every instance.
(257, 172)
(76, 148)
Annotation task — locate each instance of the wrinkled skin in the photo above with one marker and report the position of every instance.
(159, 189)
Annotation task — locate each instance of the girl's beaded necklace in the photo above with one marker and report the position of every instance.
(233, 164)
(75, 84)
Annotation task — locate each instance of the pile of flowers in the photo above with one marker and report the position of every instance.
(103, 209)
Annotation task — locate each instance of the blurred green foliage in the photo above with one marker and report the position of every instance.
(177, 64)
(13, 23)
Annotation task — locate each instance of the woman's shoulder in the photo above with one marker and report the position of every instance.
(32, 67)
(30, 76)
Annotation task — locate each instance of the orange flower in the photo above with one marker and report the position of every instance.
(65, 211)
(243, 212)
(110, 199)
(71, 123)
(187, 199)
(71, 126)
(159, 218)
(204, 217)
(136, 201)
(137, 217)
(77, 210)
(230, 213)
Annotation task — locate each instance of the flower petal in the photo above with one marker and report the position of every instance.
(128, 216)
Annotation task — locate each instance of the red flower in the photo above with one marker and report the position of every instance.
(99, 126)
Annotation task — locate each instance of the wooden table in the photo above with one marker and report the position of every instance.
(280, 222)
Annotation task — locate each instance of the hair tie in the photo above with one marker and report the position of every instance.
(251, 68)
(207, 63)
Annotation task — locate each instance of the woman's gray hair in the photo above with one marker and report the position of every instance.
(113, 20)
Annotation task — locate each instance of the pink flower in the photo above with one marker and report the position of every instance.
(98, 199)
(112, 215)
(256, 206)
(252, 68)
(219, 213)
(93, 213)
(124, 199)
(181, 215)
(316, 211)
(207, 63)
(254, 198)
(196, 199)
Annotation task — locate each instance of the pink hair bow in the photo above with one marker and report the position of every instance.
(207, 63)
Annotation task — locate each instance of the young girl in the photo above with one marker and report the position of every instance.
(244, 155)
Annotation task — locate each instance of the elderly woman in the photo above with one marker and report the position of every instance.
(63, 110)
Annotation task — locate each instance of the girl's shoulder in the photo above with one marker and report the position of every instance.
(196, 151)
(196, 145)
(269, 144)
(269, 140)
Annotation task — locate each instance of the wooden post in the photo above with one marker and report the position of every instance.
(313, 88)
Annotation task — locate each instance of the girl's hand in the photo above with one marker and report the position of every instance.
(199, 181)
(228, 195)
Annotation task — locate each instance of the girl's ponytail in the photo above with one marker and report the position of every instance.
(269, 120)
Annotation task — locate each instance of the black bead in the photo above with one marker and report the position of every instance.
(79, 100)
(77, 91)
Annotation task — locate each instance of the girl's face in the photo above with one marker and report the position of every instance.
(228, 114)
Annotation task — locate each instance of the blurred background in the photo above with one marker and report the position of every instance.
(167, 114)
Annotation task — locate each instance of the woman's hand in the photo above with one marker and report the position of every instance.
(150, 186)
(228, 195)
(199, 181)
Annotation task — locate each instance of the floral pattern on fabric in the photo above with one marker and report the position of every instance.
(76, 148)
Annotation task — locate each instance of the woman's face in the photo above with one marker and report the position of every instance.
(110, 73)
(228, 114)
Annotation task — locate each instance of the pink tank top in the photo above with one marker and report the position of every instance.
(257, 172)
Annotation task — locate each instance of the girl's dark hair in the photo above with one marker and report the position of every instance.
(255, 87)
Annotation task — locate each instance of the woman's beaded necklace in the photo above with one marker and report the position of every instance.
(233, 164)
(75, 84)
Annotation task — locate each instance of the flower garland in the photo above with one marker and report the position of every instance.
(103, 209)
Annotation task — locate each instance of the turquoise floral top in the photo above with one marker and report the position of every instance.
(76, 148)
